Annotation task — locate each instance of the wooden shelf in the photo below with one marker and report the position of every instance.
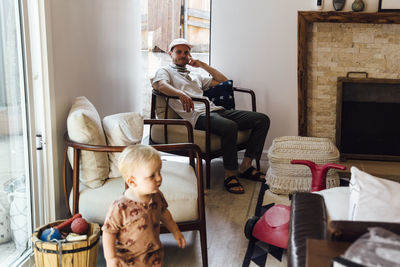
(305, 18)
(350, 17)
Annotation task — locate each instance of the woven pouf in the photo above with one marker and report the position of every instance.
(284, 177)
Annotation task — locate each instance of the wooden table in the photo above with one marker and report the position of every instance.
(321, 252)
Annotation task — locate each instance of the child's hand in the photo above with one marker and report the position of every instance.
(180, 239)
(166, 219)
(114, 262)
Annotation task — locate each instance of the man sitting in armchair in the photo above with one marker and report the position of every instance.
(176, 80)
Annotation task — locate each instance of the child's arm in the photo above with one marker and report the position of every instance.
(166, 219)
(109, 249)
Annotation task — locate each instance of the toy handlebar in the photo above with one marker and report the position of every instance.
(318, 172)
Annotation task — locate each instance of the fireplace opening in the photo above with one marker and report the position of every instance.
(368, 118)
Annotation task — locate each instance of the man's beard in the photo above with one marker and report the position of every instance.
(185, 62)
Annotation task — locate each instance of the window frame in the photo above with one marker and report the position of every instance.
(33, 43)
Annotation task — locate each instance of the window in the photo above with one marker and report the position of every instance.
(165, 20)
(15, 211)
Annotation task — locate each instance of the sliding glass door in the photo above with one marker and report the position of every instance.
(15, 205)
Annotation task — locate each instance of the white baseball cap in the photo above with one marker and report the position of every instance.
(179, 41)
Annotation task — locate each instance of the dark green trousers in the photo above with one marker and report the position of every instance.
(227, 123)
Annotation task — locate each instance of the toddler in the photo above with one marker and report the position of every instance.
(131, 231)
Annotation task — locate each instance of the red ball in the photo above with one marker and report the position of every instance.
(79, 226)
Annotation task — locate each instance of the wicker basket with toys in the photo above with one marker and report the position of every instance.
(72, 242)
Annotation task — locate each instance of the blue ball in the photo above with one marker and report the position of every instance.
(50, 234)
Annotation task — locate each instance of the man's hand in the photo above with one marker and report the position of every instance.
(187, 102)
(217, 77)
(196, 63)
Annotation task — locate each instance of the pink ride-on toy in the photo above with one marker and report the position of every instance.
(270, 233)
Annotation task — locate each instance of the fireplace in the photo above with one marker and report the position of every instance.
(368, 115)
(330, 44)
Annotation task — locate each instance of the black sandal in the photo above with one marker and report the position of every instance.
(228, 186)
(248, 174)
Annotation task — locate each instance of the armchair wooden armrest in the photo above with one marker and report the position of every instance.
(207, 106)
(158, 93)
(252, 94)
(186, 123)
(206, 103)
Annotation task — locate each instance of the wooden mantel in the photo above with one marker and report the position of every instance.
(305, 18)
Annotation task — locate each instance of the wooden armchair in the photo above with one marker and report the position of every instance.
(182, 186)
(209, 144)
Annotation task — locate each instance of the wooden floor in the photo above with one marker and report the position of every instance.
(385, 169)
(227, 214)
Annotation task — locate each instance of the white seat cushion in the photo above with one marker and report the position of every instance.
(178, 134)
(179, 187)
(336, 202)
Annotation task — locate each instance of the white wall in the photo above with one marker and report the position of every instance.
(94, 50)
(255, 44)
(96, 53)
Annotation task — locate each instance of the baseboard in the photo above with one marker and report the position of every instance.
(264, 155)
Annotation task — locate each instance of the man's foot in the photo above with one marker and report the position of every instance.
(232, 185)
(252, 174)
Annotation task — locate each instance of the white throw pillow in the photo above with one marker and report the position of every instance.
(336, 202)
(122, 129)
(84, 126)
(373, 198)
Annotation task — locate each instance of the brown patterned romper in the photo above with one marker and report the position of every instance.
(137, 229)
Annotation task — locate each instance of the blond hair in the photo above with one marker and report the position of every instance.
(137, 155)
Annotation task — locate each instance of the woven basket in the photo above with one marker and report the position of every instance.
(77, 254)
(318, 150)
(284, 177)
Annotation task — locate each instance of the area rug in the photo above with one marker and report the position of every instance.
(258, 254)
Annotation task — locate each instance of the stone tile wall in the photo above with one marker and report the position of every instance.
(335, 49)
